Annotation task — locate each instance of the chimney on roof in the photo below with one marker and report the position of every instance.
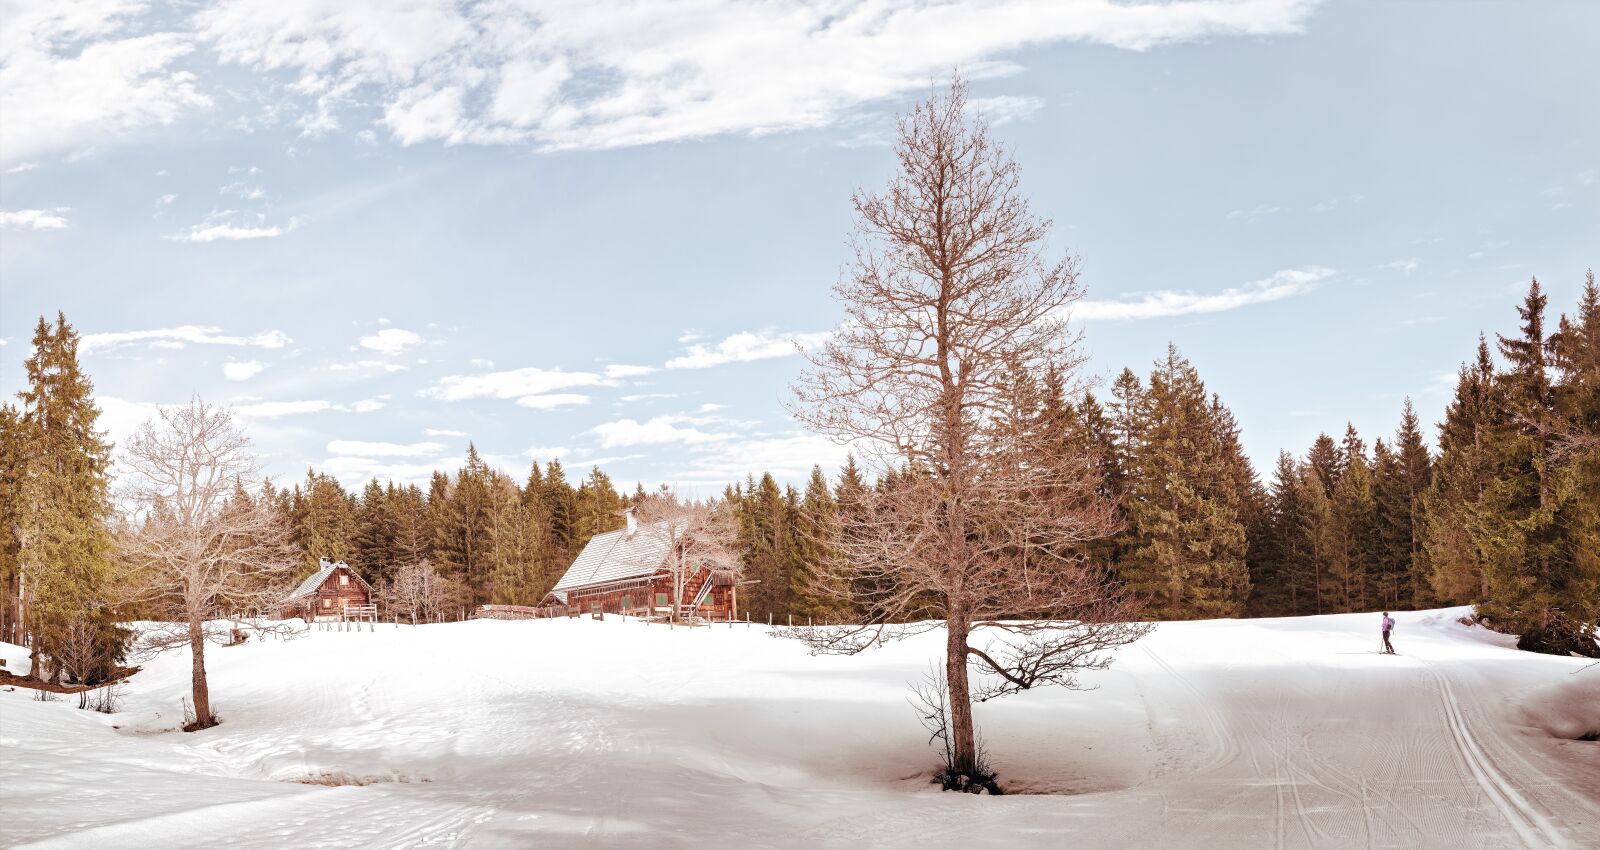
(633, 521)
(322, 563)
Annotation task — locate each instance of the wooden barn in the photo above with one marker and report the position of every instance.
(326, 593)
(625, 572)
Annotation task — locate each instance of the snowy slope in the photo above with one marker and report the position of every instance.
(1236, 734)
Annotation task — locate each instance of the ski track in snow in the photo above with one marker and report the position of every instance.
(1286, 733)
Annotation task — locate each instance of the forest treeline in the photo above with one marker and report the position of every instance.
(1504, 513)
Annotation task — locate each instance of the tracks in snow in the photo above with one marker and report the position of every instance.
(1532, 827)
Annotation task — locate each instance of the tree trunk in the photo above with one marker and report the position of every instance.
(963, 744)
(202, 694)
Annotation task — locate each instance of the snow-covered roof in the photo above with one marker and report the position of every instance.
(315, 580)
(617, 555)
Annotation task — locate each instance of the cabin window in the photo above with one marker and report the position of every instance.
(327, 603)
(627, 602)
(661, 599)
(344, 579)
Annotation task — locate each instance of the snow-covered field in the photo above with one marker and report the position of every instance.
(1236, 734)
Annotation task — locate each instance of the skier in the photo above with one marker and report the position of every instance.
(1388, 626)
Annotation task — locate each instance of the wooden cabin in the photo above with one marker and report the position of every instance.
(326, 593)
(625, 572)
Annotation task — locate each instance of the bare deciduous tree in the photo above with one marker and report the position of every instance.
(198, 547)
(694, 535)
(979, 525)
(418, 591)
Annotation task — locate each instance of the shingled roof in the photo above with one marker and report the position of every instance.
(617, 555)
(315, 580)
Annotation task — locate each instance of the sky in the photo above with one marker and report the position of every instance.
(599, 232)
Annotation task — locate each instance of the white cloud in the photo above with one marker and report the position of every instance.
(443, 432)
(514, 383)
(481, 363)
(369, 405)
(21, 167)
(219, 231)
(354, 471)
(787, 456)
(623, 370)
(647, 396)
(33, 219)
(546, 452)
(745, 346)
(72, 76)
(368, 449)
(1004, 109)
(180, 336)
(1151, 305)
(659, 430)
(1258, 211)
(552, 400)
(559, 75)
(120, 418)
(391, 341)
(1404, 264)
(242, 189)
(275, 409)
(242, 370)
(367, 366)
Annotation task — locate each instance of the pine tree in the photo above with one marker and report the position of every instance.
(324, 520)
(1415, 467)
(413, 530)
(1283, 575)
(1319, 534)
(817, 595)
(597, 509)
(13, 458)
(1452, 562)
(1354, 527)
(461, 530)
(560, 505)
(60, 506)
(516, 543)
(1187, 557)
(762, 547)
(375, 533)
(1517, 537)
(1325, 463)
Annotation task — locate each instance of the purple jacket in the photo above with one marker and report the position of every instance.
(1388, 624)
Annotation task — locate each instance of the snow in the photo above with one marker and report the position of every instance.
(1233, 733)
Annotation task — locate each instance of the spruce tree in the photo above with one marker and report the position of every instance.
(375, 532)
(1325, 462)
(1187, 557)
(597, 509)
(1282, 574)
(560, 505)
(1517, 536)
(515, 545)
(1354, 527)
(13, 457)
(816, 594)
(461, 530)
(61, 506)
(324, 520)
(1415, 467)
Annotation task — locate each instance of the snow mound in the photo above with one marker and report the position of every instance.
(1566, 709)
